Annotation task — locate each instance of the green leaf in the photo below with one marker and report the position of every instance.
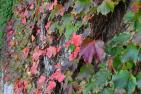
(130, 54)
(124, 80)
(127, 66)
(121, 79)
(107, 91)
(84, 2)
(71, 47)
(82, 6)
(97, 82)
(106, 7)
(6, 12)
(110, 5)
(137, 25)
(0, 74)
(53, 27)
(86, 71)
(120, 40)
(1, 38)
(69, 30)
(78, 24)
(67, 18)
(134, 18)
(129, 16)
(131, 84)
(139, 80)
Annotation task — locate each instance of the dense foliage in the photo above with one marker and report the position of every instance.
(5, 15)
(53, 47)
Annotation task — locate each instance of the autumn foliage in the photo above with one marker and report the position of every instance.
(52, 47)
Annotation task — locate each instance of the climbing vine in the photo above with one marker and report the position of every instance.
(54, 46)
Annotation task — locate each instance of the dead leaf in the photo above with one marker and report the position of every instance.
(110, 64)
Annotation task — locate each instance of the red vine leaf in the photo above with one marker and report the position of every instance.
(48, 25)
(37, 53)
(74, 54)
(38, 91)
(19, 86)
(51, 51)
(50, 87)
(41, 79)
(23, 20)
(34, 67)
(50, 6)
(94, 49)
(31, 6)
(26, 14)
(76, 40)
(58, 76)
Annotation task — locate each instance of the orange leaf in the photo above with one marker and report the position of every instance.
(26, 52)
(110, 64)
(136, 6)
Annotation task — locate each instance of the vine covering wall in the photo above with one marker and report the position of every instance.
(72, 46)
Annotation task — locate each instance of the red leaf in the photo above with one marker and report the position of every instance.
(62, 10)
(48, 25)
(58, 49)
(41, 79)
(50, 6)
(38, 91)
(41, 9)
(58, 66)
(51, 51)
(37, 53)
(31, 6)
(34, 68)
(50, 87)
(25, 82)
(92, 50)
(58, 76)
(74, 54)
(76, 40)
(23, 20)
(19, 86)
(26, 13)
